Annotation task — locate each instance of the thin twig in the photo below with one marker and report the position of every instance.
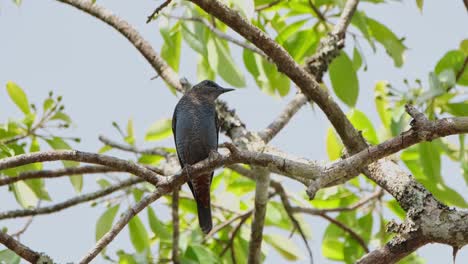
(347, 229)
(157, 10)
(283, 118)
(266, 6)
(151, 151)
(317, 12)
(288, 208)
(71, 202)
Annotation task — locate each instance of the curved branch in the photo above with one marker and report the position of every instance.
(22, 250)
(71, 202)
(56, 173)
(75, 155)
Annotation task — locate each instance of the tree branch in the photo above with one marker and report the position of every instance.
(75, 155)
(152, 151)
(261, 200)
(175, 226)
(157, 10)
(283, 118)
(71, 202)
(23, 251)
(422, 130)
(56, 173)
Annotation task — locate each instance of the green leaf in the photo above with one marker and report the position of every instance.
(464, 46)
(382, 103)
(130, 138)
(171, 48)
(204, 70)
(359, 20)
(453, 60)
(300, 49)
(104, 223)
(284, 246)
(289, 31)
(362, 123)
(104, 149)
(201, 254)
(159, 130)
(395, 207)
(138, 235)
(226, 66)
(194, 34)
(9, 257)
(429, 156)
(357, 59)
(392, 44)
(48, 103)
(334, 145)
(457, 109)
(24, 195)
(76, 180)
(344, 79)
(62, 116)
(18, 96)
(420, 4)
(158, 227)
(333, 249)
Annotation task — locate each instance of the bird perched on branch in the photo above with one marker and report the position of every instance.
(195, 128)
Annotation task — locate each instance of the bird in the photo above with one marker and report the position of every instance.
(195, 127)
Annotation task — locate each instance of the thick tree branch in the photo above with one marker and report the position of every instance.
(71, 202)
(23, 251)
(422, 130)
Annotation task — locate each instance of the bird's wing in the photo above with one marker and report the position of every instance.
(217, 128)
(174, 125)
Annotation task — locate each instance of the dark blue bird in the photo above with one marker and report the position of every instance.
(195, 128)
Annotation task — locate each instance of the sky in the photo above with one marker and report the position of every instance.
(45, 45)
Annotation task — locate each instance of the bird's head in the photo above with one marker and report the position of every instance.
(209, 90)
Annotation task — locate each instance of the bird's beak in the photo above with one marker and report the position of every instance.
(225, 90)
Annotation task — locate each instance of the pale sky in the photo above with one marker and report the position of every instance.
(45, 45)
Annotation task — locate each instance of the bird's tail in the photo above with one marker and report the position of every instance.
(204, 217)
